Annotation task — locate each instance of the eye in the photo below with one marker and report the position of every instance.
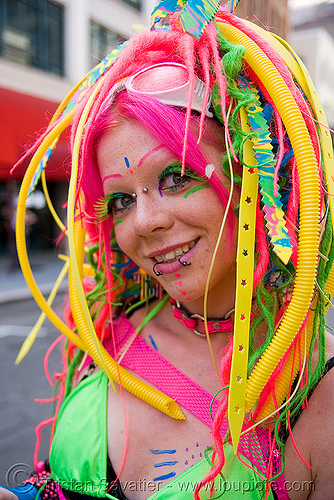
(173, 181)
(113, 204)
(120, 202)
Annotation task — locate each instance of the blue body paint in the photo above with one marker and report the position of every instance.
(162, 464)
(127, 163)
(161, 452)
(153, 343)
(165, 476)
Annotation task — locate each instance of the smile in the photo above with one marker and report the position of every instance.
(176, 253)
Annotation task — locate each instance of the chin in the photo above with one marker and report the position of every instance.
(185, 293)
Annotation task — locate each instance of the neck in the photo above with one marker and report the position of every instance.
(218, 304)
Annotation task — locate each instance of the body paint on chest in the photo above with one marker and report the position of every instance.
(166, 463)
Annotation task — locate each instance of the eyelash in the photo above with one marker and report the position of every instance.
(178, 184)
(106, 206)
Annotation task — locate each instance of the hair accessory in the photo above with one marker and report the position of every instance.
(192, 321)
(263, 152)
(145, 190)
(166, 82)
(157, 273)
(231, 5)
(194, 15)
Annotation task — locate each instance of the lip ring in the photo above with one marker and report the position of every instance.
(183, 262)
(157, 273)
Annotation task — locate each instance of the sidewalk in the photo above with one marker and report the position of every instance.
(45, 266)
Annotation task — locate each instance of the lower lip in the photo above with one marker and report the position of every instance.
(172, 267)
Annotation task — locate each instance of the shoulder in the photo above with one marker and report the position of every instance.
(6, 494)
(313, 437)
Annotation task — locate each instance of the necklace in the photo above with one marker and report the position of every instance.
(192, 321)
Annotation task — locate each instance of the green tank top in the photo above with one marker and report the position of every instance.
(78, 457)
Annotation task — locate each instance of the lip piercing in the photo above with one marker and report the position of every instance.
(184, 263)
(145, 190)
(157, 273)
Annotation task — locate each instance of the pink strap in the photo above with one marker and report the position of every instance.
(191, 321)
(149, 364)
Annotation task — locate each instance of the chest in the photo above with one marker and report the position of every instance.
(157, 447)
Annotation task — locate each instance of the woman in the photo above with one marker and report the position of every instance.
(196, 175)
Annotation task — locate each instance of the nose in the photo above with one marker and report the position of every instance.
(151, 214)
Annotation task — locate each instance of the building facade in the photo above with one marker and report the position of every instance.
(46, 47)
(270, 14)
(312, 37)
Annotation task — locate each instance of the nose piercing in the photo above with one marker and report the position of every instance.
(157, 273)
(145, 190)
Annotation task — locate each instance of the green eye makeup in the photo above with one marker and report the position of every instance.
(112, 203)
(176, 168)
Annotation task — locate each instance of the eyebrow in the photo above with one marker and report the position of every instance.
(146, 155)
(110, 177)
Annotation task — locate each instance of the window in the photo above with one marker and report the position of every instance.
(102, 41)
(31, 33)
(136, 4)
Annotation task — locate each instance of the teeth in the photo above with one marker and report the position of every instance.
(177, 252)
(170, 255)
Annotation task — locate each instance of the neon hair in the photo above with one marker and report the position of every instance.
(219, 64)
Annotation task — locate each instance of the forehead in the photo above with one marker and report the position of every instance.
(125, 144)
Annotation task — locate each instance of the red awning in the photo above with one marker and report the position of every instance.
(23, 117)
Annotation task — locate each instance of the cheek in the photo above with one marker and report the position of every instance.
(123, 236)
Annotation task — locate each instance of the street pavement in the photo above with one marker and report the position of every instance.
(20, 385)
(45, 265)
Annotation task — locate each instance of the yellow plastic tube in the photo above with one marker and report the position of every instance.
(28, 342)
(53, 212)
(85, 332)
(309, 211)
(289, 372)
(302, 76)
(79, 305)
(299, 71)
(20, 231)
(96, 350)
